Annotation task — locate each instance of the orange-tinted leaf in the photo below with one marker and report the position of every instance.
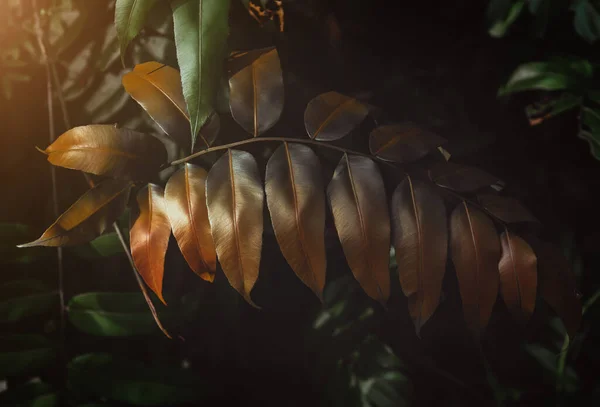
(149, 236)
(296, 201)
(506, 209)
(256, 93)
(331, 116)
(421, 242)
(107, 150)
(461, 178)
(360, 212)
(557, 284)
(234, 196)
(157, 88)
(90, 216)
(186, 206)
(403, 143)
(475, 252)
(518, 276)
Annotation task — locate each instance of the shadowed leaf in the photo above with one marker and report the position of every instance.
(185, 197)
(24, 354)
(421, 243)
(234, 196)
(26, 298)
(90, 216)
(256, 91)
(296, 201)
(403, 143)
(475, 252)
(461, 178)
(557, 284)
(201, 29)
(130, 17)
(359, 205)
(107, 150)
(12, 234)
(506, 209)
(149, 236)
(518, 276)
(331, 116)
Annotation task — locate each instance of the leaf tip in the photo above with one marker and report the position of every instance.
(208, 277)
(41, 151)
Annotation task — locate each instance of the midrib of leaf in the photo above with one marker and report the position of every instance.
(297, 215)
(514, 267)
(361, 219)
(391, 142)
(477, 270)
(102, 150)
(420, 254)
(200, 82)
(255, 94)
(331, 116)
(155, 84)
(148, 235)
(127, 27)
(235, 223)
(192, 217)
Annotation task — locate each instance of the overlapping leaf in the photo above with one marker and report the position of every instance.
(475, 252)
(130, 16)
(506, 209)
(296, 202)
(331, 116)
(88, 217)
(185, 197)
(234, 196)
(518, 276)
(149, 236)
(201, 28)
(107, 150)
(421, 243)
(256, 91)
(402, 143)
(461, 178)
(361, 217)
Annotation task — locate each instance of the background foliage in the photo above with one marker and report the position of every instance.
(349, 352)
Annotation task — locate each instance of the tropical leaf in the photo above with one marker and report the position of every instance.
(518, 276)
(296, 202)
(130, 17)
(461, 178)
(107, 150)
(506, 209)
(26, 298)
(331, 116)
(185, 197)
(475, 252)
(90, 216)
(421, 243)
(105, 245)
(402, 143)
(360, 212)
(234, 196)
(112, 314)
(149, 236)
(200, 37)
(24, 354)
(256, 92)
(557, 284)
(157, 88)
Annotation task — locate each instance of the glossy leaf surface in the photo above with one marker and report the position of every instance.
(475, 252)
(149, 236)
(518, 276)
(107, 150)
(506, 209)
(90, 216)
(296, 202)
(360, 212)
(234, 196)
(461, 178)
(201, 29)
(403, 143)
(130, 17)
(185, 197)
(256, 92)
(331, 116)
(421, 243)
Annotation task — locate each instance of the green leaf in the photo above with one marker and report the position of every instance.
(24, 354)
(12, 234)
(25, 298)
(111, 377)
(130, 16)
(586, 20)
(103, 246)
(201, 29)
(549, 76)
(502, 15)
(590, 129)
(112, 314)
(32, 394)
(540, 112)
